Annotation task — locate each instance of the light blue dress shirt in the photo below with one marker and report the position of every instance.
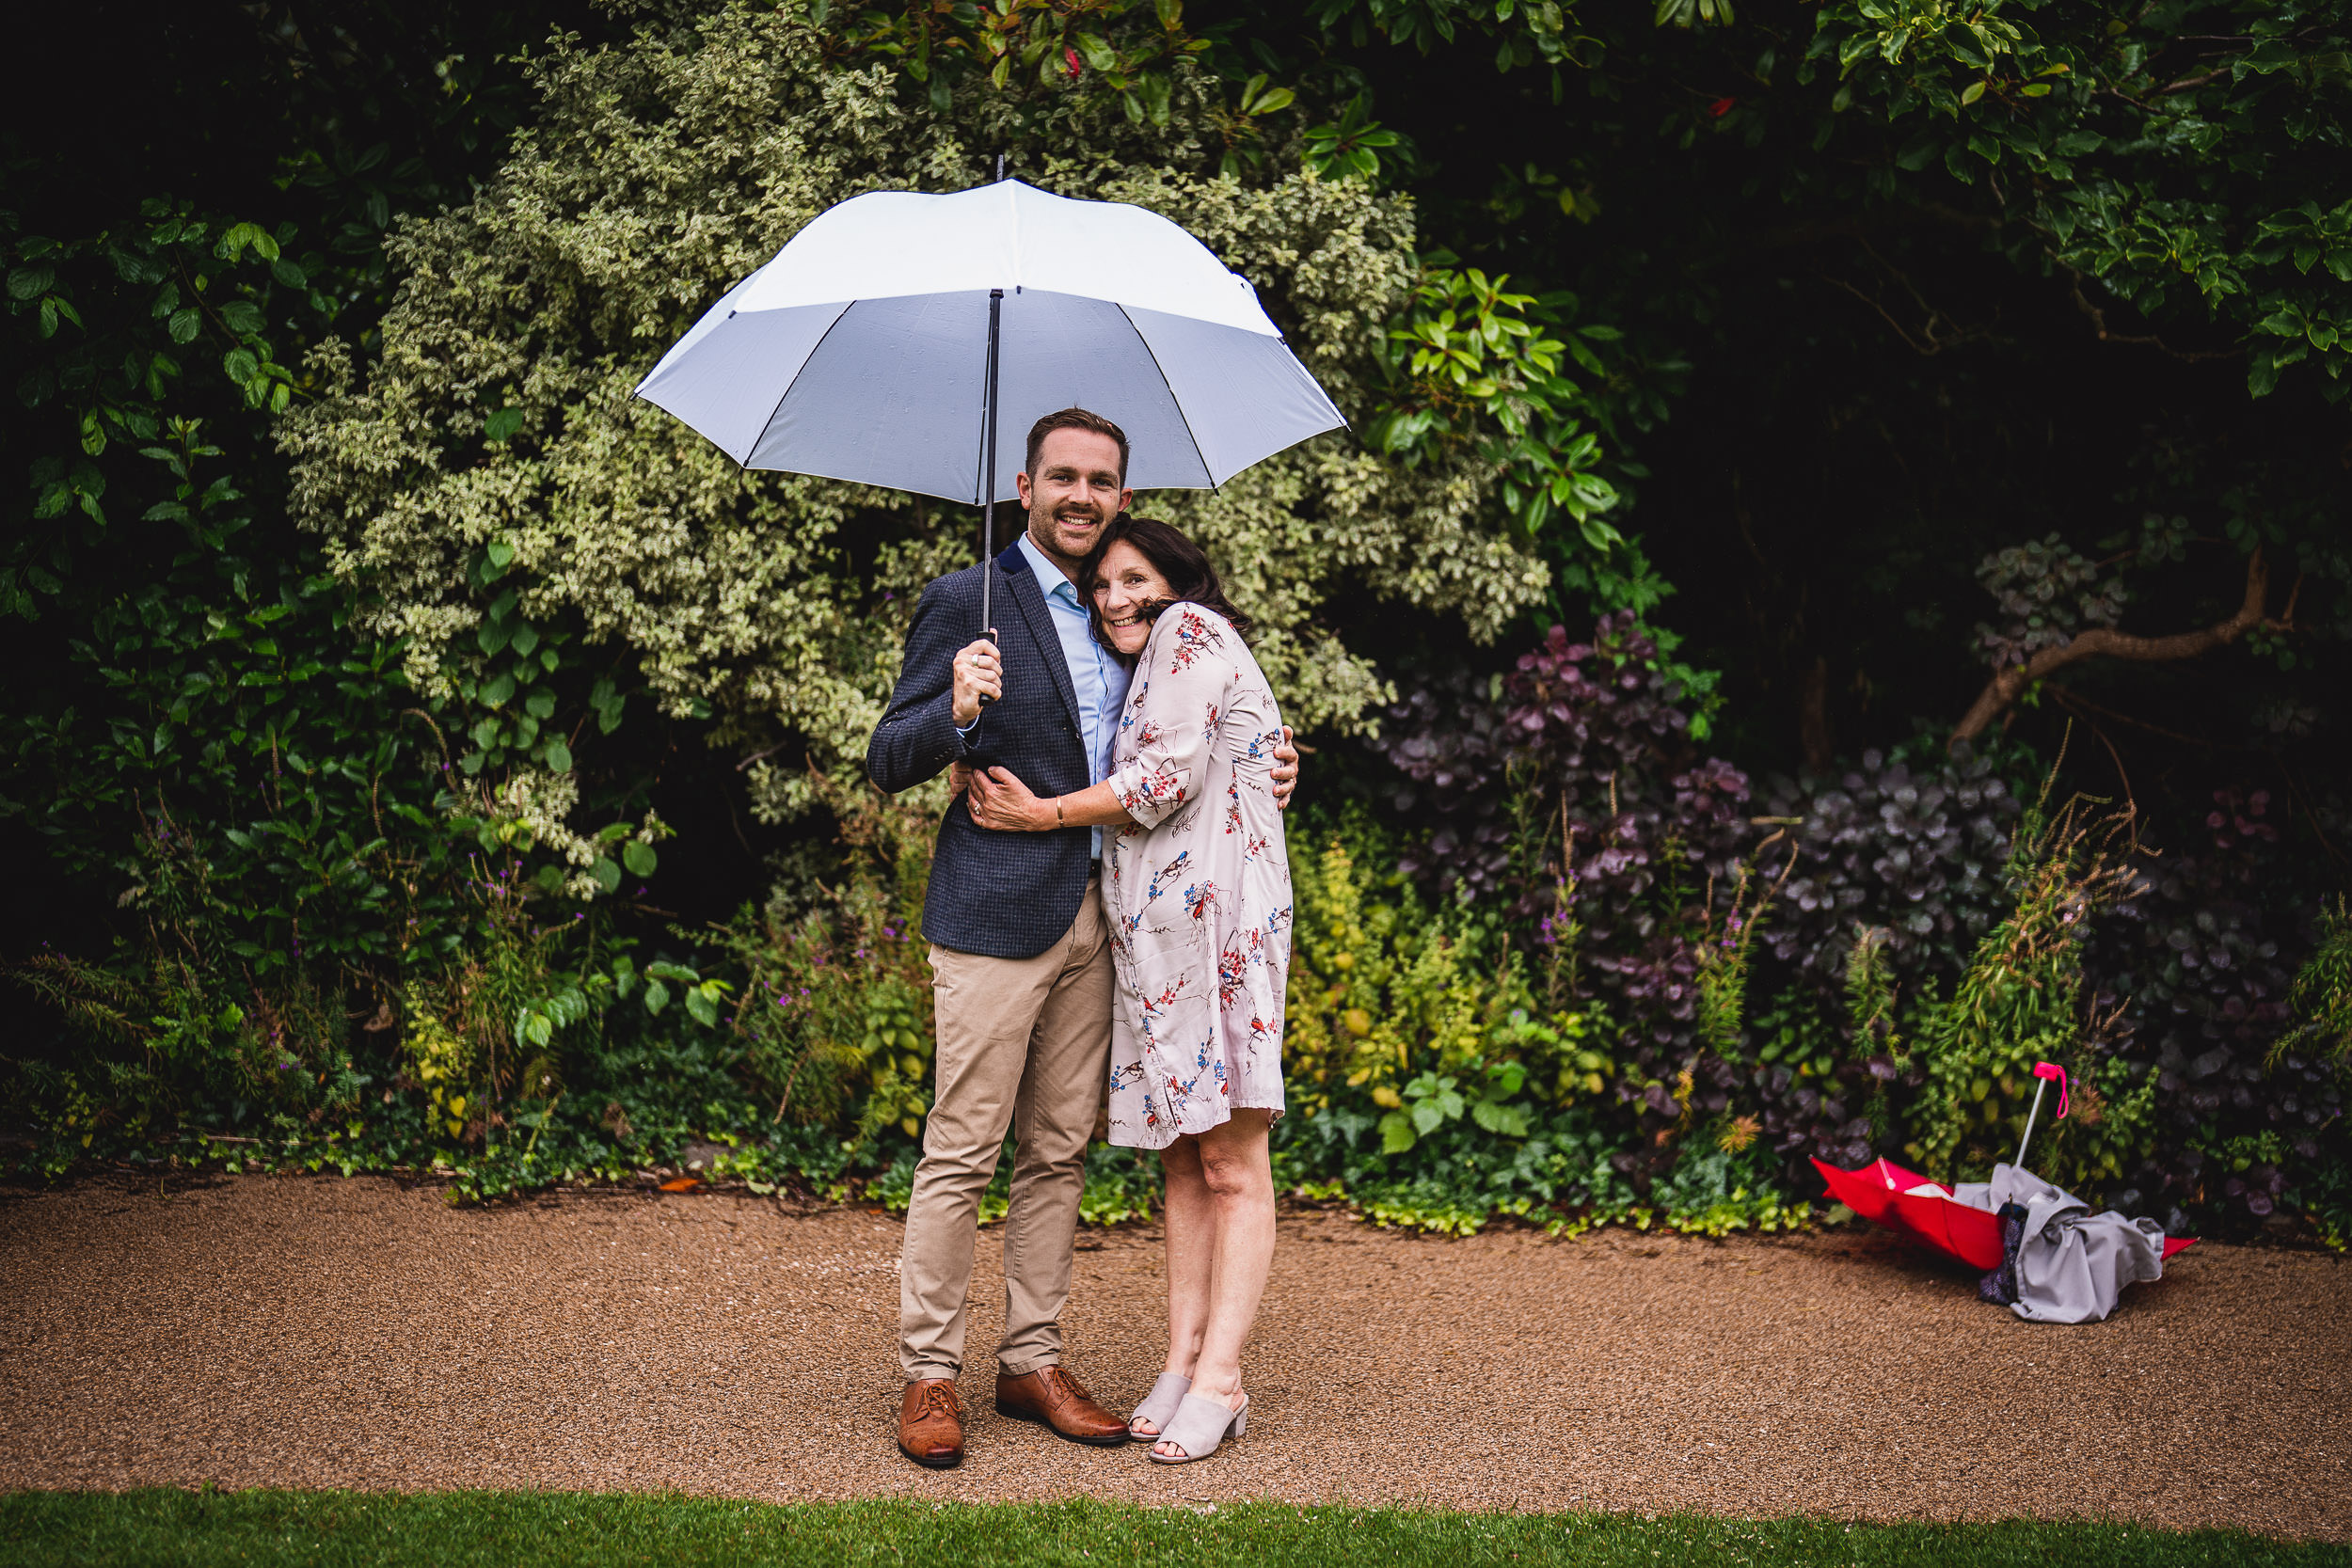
(1097, 677)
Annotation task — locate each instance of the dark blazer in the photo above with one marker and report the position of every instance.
(1001, 894)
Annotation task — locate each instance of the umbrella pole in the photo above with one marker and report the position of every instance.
(988, 445)
(2041, 1085)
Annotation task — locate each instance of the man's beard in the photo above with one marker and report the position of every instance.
(1054, 523)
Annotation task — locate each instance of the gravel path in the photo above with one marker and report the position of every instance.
(349, 1333)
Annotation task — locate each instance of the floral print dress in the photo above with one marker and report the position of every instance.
(1197, 892)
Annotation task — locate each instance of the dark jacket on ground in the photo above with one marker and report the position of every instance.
(1001, 894)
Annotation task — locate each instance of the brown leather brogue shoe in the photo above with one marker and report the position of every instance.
(1056, 1400)
(930, 1423)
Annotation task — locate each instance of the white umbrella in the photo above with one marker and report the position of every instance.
(879, 345)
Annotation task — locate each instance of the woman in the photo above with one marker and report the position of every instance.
(1197, 893)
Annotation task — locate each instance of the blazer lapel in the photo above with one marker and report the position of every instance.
(1024, 589)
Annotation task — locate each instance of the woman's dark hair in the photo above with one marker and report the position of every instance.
(1190, 577)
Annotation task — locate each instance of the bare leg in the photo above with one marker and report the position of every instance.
(1235, 1170)
(1191, 1258)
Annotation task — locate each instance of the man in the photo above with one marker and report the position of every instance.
(1021, 962)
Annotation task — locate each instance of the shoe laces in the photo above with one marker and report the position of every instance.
(940, 1399)
(1072, 1386)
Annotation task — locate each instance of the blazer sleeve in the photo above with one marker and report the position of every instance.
(1189, 670)
(918, 737)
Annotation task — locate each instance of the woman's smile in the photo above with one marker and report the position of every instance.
(1126, 587)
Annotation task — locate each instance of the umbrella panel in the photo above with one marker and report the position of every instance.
(888, 392)
(1880, 1190)
(892, 395)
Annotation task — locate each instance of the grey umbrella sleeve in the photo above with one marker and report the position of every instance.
(2072, 1264)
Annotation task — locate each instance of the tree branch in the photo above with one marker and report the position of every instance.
(2099, 323)
(2009, 685)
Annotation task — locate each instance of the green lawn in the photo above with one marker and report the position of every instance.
(452, 1529)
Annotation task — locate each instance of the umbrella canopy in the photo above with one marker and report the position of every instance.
(863, 351)
(1906, 1201)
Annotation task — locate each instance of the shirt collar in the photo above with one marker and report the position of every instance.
(1048, 575)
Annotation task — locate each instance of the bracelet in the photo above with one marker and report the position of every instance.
(1057, 821)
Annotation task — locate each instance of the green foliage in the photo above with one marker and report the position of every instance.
(1716, 1192)
(1523, 33)
(1387, 1000)
(775, 603)
(1871, 995)
(1349, 146)
(1132, 48)
(1425, 1088)
(363, 785)
(1121, 1185)
(241, 743)
(2020, 1001)
(839, 997)
(1723, 958)
(2175, 155)
(115, 331)
(2322, 997)
(1480, 369)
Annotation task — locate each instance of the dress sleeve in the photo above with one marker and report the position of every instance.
(1190, 668)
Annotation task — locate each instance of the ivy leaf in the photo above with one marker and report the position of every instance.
(498, 426)
(639, 857)
(1397, 1133)
(1509, 1122)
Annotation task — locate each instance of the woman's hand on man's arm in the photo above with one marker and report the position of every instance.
(1001, 802)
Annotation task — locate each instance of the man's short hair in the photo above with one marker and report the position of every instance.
(1076, 418)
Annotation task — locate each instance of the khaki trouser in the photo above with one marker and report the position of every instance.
(1022, 1042)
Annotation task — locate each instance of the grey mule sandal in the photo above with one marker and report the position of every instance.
(1159, 1406)
(1201, 1428)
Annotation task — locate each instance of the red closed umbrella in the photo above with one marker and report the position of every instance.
(1906, 1201)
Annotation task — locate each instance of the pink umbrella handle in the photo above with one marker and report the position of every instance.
(2052, 1070)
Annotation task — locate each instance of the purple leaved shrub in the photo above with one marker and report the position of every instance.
(1584, 744)
(1587, 743)
(1914, 851)
(2204, 949)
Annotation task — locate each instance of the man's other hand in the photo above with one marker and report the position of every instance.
(1285, 774)
(958, 779)
(980, 677)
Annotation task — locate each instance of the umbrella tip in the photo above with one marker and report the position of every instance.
(1000, 167)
